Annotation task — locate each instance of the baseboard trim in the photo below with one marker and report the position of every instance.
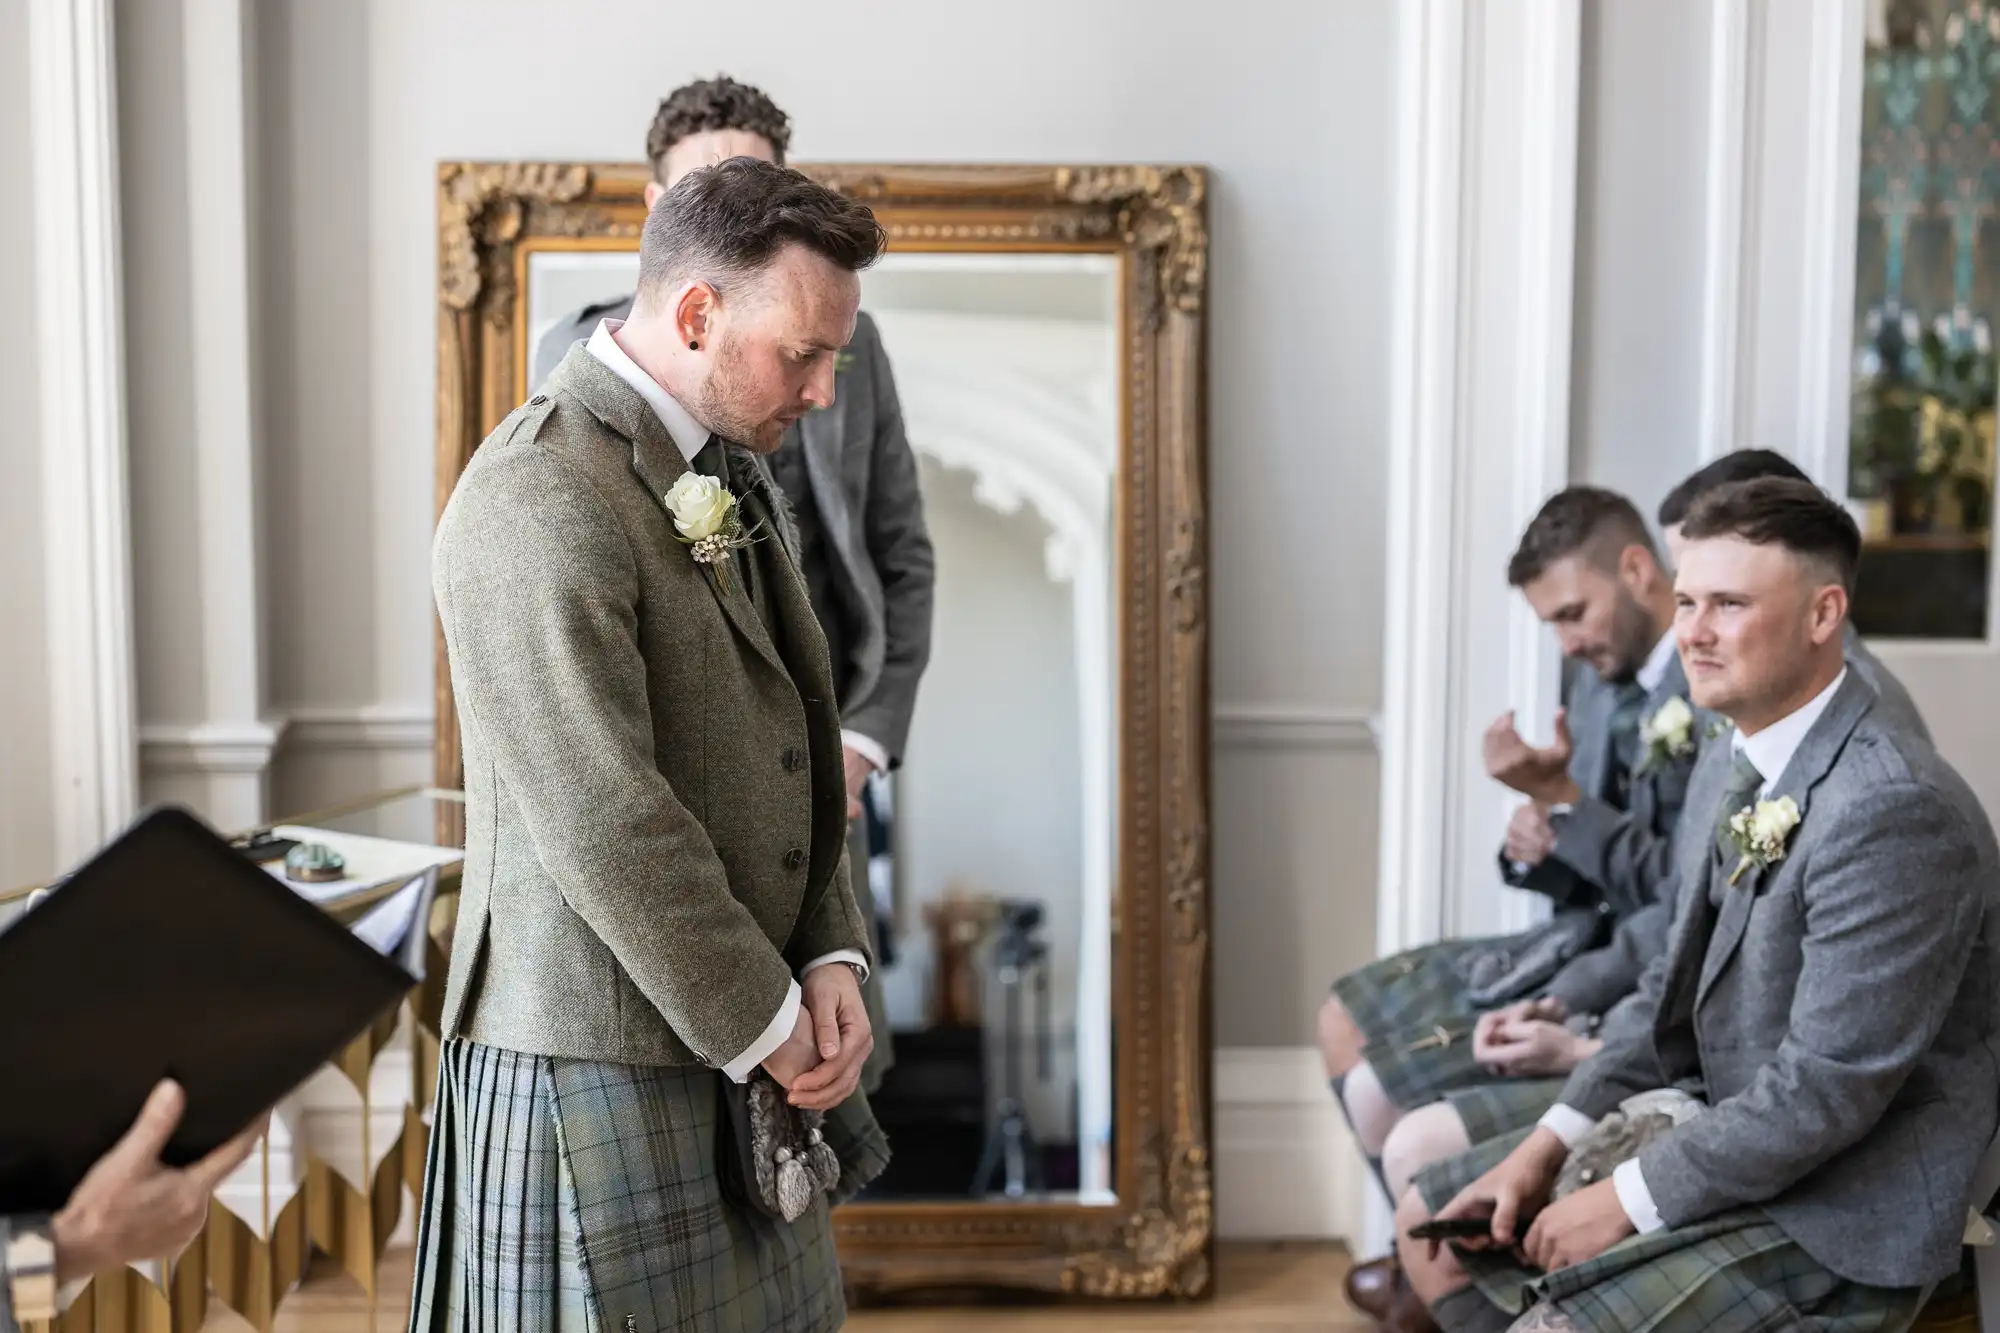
(1286, 1164)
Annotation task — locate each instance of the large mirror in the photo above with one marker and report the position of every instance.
(1038, 862)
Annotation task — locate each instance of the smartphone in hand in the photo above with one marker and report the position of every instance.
(1452, 1228)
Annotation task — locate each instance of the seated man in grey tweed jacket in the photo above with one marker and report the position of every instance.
(1591, 835)
(1530, 1047)
(1830, 1000)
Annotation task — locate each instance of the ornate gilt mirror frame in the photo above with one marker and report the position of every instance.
(1157, 1238)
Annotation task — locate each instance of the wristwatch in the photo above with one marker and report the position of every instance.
(29, 1258)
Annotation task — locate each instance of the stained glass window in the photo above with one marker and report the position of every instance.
(1927, 290)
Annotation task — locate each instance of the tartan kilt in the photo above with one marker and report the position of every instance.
(1733, 1273)
(1414, 988)
(570, 1195)
(1504, 1105)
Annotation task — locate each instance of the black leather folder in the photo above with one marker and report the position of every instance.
(168, 954)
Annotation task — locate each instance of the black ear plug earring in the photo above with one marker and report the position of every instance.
(693, 346)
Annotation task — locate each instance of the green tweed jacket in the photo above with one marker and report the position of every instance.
(653, 770)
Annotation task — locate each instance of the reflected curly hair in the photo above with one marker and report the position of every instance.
(720, 103)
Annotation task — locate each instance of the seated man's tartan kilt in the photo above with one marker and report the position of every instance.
(1733, 1273)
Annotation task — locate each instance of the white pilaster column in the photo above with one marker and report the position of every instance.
(79, 332)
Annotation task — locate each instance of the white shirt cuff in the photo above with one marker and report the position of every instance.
(1566, 1123)
(1635, 1198)
(743, 1066)
(868, 748)
(839, 956)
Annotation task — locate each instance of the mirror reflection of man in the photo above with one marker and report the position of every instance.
(851, 478)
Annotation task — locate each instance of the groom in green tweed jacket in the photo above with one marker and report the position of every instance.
(656, 890)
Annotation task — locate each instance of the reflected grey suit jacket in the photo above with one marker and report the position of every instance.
(863, 476)
(654, 781)
(1839, 1011)
(1594, 982)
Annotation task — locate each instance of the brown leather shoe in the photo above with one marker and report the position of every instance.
(1371, 1287)
(1408, 1313)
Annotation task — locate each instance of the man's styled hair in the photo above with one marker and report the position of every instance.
(1581, 520)
(1782, 511)
(1741, 465)
(720, 103)
(723, 224)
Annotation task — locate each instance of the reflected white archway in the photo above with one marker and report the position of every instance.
(1028, 408)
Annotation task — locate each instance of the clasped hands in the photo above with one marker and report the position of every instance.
(819, 1065)
(1563, 1234)
(1527, 1039)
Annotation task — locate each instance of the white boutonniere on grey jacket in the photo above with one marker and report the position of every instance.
(1761, 833)
(1667, 735)
(709, 520)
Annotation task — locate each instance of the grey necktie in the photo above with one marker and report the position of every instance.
(1623, 726)
(1744, 784)
(1745, 781)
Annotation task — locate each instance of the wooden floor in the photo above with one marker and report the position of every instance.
(1259, 1289)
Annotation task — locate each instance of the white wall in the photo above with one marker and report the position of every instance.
(1641, 192)
(361, 102)
(27, 814)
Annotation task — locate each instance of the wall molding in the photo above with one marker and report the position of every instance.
(1247, 726)
(79, 333)
(1287, 1166)
(218, 56)
(1832, 194)
(369, 727)
(234, 748)
(1781, 381)
(389, 728)
(1735, 102)
(1479, 407)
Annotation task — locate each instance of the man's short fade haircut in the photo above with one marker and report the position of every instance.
(1580, 520)
(724, 224)
(1739, 465)
(720, 103)
(1782, 511)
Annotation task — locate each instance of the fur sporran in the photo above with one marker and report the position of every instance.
(777, 1160)
(1620, 1136)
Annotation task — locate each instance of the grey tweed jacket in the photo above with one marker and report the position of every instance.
(863, 475)
(1612, 848)
(654, 783)
(1839, 1011)
(1594, 982)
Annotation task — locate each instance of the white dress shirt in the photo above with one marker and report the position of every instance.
(1654, 669)
(690, 437)
(1771, 750)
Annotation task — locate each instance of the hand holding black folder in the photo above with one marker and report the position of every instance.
(168, 955)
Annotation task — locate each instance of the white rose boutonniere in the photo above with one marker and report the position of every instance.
(709, 520)
(1668, 734)
(1760, 833)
